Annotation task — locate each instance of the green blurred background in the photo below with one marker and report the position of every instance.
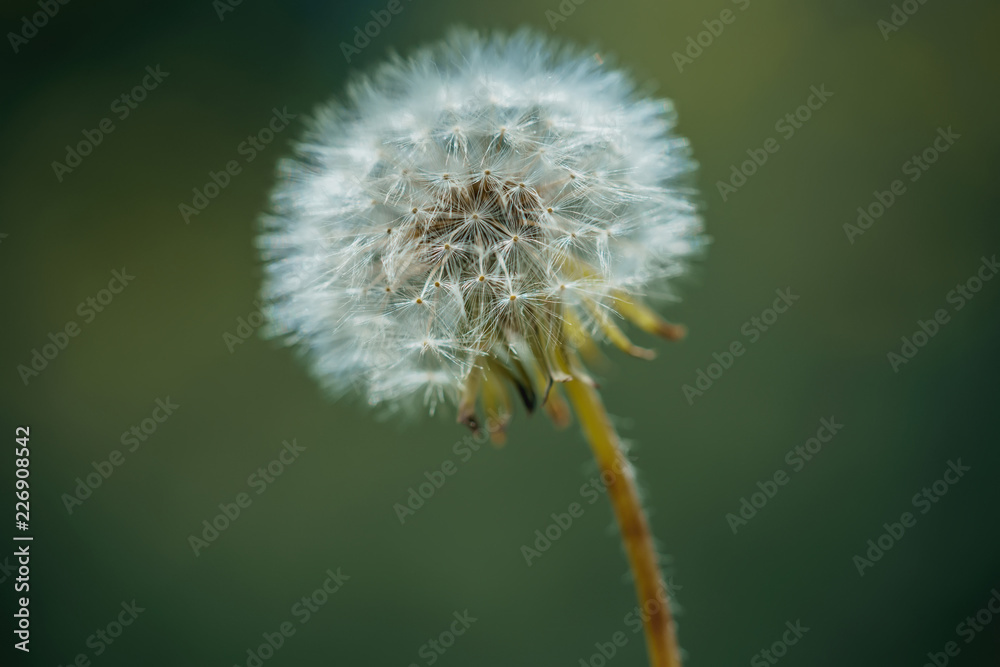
(163, 336)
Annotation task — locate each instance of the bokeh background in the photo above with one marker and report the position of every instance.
(163, 336)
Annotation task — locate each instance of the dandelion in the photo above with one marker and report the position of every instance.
(466, 229)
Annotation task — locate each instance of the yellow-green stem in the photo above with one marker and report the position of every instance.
(661, 640)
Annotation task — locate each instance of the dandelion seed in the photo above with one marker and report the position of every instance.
(558, 129)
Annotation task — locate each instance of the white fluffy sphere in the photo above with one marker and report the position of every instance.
(489, 202)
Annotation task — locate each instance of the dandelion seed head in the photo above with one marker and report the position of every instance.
(459, 207)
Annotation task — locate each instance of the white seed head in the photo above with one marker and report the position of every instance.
(475, 201)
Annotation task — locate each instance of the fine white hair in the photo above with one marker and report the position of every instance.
(467, 202)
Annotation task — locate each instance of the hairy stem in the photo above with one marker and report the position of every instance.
(617, 475)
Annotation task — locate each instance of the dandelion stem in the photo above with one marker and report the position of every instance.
(661, 640)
